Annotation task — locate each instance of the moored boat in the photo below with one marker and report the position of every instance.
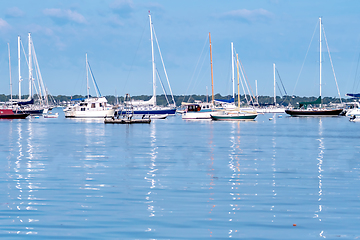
(90, 107)
(200, 110)
(127, 121)
(311, 112)
(236, 116)
(304, 111)
(56, 115)
(149, 108)
(10, 114)
(354, 118)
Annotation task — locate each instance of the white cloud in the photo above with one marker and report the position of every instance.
(65, 14)
(248, 15)
(3, 24)
(14, 12)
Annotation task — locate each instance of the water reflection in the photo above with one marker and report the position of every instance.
(25, 178)
(151, 175)
(273, 168)
(320, 170)
(234, 165)
(211, 174)
(94, 160)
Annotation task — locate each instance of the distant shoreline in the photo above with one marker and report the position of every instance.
(161, 100)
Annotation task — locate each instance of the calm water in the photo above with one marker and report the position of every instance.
(174, 179)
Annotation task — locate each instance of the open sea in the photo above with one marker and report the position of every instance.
(285, 178)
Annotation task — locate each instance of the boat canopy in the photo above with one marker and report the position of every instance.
(225, 100)
(355, 95)
(26, 102)
(78, 99)
(305, 104)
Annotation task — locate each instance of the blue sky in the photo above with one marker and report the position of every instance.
(115, 35)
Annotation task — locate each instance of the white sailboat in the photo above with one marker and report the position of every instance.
(149, 108)
(238, 113)
(90, 107)
(199, 110)
(275, 108)
(31, 105)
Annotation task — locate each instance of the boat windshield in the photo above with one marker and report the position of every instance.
(194, 108)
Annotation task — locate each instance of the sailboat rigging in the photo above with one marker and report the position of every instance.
(149, 108)
(200, 110)
(235, 114)
(303, 106)
(30, 105)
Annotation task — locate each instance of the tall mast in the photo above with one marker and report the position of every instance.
(19, 67)
(212, 75)
(153, 60)
(10, 72)
(238, 79)
(232, 68)
(30, 68)
(320, 56)
(87, 77)
(274, 86)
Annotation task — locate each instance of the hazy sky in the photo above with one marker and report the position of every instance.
(115, 34)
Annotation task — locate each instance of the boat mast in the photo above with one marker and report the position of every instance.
(153, 60)
(10, 72)
(30, 68)
(87, 76)
(232, 68)
(274, 86)
(238, 78)
(320, 58)
(212, 75)
(19, 68)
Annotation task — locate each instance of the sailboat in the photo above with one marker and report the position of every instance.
(8, 110)
(272, 108)
(304, 111)
(149, 108)
(90, 107)
(29, 105)
(237, 113)
(200, 110)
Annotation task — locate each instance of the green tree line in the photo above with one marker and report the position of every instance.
(161, 99)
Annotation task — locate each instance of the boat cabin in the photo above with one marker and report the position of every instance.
(197, 107)
(193, 108)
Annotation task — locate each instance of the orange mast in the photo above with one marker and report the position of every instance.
(212, 75)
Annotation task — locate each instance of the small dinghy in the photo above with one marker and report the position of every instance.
(126, 120)
(56, 115)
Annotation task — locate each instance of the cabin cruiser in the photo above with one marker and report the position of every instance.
(92, 107)
(200, 110)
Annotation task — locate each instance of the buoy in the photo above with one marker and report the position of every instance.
(270, 119)
(294, 225)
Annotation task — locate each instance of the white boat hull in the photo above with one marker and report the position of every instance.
(351, 112)
(200, 114)
(90, 114)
